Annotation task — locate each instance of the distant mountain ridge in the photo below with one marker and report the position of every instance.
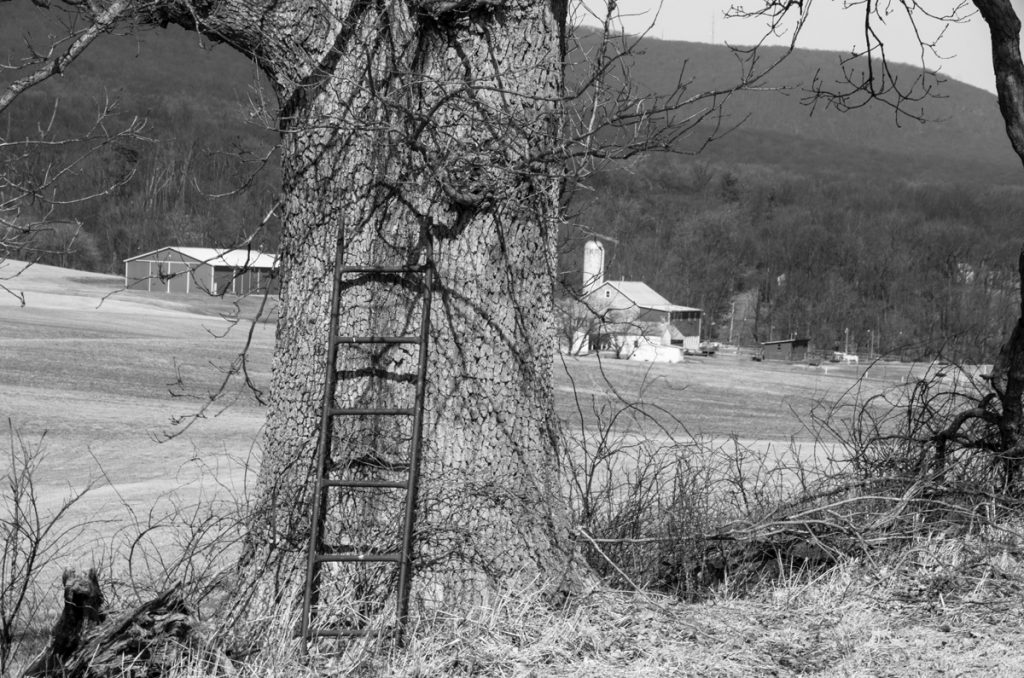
(963, 140)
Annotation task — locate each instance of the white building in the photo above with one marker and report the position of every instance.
(204, 270)
(633, 319)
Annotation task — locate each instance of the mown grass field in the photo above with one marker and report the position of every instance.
(97, 376)
(94, 377)
(104, 374)
(721, 396)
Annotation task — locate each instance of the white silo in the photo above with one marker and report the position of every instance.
(593, 266)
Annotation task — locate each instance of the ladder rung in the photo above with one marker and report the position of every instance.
(419, 268)
(337, 411)
(365, 483)
(381, 464)
(394, 557)
(377, 340)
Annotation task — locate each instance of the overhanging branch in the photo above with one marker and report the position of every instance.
(103, 22)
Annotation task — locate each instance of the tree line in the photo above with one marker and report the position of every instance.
(185, 177)
(850, 261)
(902, 269)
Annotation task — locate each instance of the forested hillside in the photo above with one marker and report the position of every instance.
(814, 221)
(913, 269)
(897, 233)
(201, 172)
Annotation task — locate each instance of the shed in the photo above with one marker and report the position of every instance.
(192, 270)
(785, 349)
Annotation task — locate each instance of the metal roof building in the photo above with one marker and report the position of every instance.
(629, 313)
(635, 295)
(205, 270)
(630, 308)
(785, 349)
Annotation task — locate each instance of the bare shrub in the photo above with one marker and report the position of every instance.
(656, 506)
(175, 547)
(34, 538)
(887, 476)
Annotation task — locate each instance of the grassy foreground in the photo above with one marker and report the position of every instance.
(853, 621)
(103, 376)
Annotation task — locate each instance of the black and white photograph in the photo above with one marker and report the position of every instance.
(511, 338)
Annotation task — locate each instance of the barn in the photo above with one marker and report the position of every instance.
(631, 307)
(785, 349)
(632, 317)
(202, 270)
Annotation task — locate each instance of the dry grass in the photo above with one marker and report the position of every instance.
(97, 378)
(848, 622)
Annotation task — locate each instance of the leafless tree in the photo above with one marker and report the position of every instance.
(32, 189)
(869, 78)
(415, 128)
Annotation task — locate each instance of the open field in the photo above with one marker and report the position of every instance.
(94, 375)
(103, 372)
(722, 396)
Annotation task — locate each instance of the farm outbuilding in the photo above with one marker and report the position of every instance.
(631, 307)
(630, 317)
(202, 270)
(785, 349)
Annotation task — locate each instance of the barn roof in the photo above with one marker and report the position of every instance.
(238, 258)
(642, 296)
(794, 340)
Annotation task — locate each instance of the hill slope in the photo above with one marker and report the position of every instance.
(963, 138)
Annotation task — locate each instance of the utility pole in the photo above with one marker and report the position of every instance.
(732, 316)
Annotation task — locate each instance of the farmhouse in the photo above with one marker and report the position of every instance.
(201, 270)
(632, 318)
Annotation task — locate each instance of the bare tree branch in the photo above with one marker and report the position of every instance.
(103, 22)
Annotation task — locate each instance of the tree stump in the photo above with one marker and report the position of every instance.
(152, 640)
(148, 641)
(83, 603)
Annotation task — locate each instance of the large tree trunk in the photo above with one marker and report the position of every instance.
(423, 125)
(409, 126)
(1008, 373)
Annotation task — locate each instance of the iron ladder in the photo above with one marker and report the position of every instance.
(402, 558)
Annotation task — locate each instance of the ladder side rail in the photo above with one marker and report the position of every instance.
(408, 532)
(318, 516)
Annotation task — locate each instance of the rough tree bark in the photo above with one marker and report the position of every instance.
(406, 126)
